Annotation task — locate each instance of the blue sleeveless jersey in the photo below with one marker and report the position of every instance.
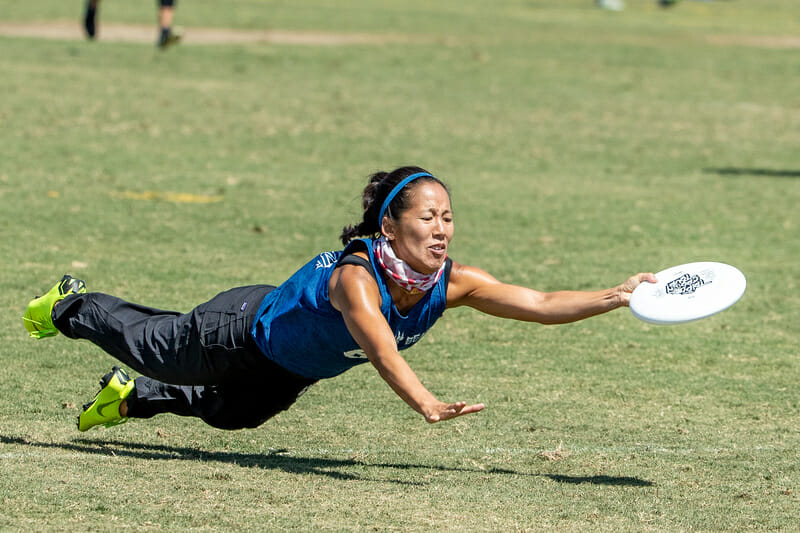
(297, 327)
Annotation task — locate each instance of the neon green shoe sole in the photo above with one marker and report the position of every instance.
(38, 316)
(103, 410)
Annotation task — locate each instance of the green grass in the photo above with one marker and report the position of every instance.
(581, 146)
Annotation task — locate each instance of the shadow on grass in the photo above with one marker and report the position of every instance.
(281, 460)
(601, 480)
(736, 171)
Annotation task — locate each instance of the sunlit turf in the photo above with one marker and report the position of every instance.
(581, 146)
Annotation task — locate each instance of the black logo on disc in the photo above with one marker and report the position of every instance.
(686, 284)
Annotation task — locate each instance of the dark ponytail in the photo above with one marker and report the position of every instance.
(378, 188)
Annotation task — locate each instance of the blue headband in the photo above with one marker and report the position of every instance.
(395, 191)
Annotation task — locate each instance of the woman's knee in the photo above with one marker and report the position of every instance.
(242, 406)
(231, 419)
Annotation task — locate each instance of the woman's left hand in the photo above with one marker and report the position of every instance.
(625, 290)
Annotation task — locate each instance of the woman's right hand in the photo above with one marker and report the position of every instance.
(444, 411)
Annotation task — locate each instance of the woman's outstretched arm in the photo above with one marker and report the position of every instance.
(476, 288)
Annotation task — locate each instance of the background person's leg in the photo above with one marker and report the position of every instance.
(90, 18)
(166, 12)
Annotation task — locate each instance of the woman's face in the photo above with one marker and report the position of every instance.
(421, 236)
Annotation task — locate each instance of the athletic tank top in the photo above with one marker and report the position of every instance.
(297, 327)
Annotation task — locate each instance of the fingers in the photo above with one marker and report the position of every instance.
(453, 410)
(625, 290)
(468, 409)
(637, 280)
(640, 278)
(648, 277)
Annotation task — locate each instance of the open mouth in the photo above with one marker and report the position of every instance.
(438, 249)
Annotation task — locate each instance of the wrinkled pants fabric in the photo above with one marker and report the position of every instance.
(203, 363)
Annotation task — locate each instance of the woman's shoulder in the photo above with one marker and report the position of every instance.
(356, 253)
(354, 266)
(353, 280)
(464, 279)
(460, 272)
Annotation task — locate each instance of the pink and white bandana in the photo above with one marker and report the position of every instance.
(399, 271)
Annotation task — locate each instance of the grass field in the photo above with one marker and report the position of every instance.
(581, 146)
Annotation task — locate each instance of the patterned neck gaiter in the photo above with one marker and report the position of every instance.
(399, 271)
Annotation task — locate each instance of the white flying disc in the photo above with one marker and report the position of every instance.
(688, 292)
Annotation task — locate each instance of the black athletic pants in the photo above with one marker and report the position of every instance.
(203, 363)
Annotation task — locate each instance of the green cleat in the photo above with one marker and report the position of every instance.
(104, 407)
(38, 316)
